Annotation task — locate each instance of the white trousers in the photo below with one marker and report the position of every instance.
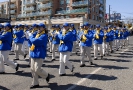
(74, 46)
(64, 60)
(18, 50)
(121, 42)
(85, 50)
(54, 47)
(124, 42)
(50, 48)
(4, 57)
(116, 42)
(96, 48)
(127, 40)
(13, 45)
(111, 45)
(105, 48)
(25, 45)
(36, 70)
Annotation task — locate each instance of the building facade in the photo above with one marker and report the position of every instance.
(27, 10)
(4, 12)
(15, 9)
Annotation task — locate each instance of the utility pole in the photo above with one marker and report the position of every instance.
(109, 14)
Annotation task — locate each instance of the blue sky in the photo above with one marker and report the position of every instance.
(121, 6)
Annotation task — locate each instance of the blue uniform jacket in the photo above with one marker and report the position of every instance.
(100, 40)
(33, 35)
(125, 35)
(116, 32)
(74, 34)
(68, 42)
(19, 36)
(121, 35)
(40, 46)
(6, 41)
(111, 35)
(56, 39)
(89, 37)
(107, 37)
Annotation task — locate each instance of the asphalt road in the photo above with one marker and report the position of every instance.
(114, 72)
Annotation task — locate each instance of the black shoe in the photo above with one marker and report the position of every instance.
(72, 68)
(117, 49)
(95, 58)
(34, 86)
(16, 59)
(48, 77)
(77, 53)
(25, 56)
(111, 51)
(53, 60)
(50, 52)
(101, 57)
(17, 67)
(103, 54)
(82, 65)
(2, 72)
(28, 65)
(91, 63)
(62, 74)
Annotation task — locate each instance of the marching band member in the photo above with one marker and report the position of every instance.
(55, 40)
(32, 32)
(78, 36)
(38, 53)
(98, 40)
(65, 48)
(111, 38)
(13, 44)
(125, 35)
(18, 40)
(50, 37)
(127, 39)
(72, 28)
(86, 43)
(116, 38)
(120, 35)
(26, 36)
(106, 41)
(5, 47)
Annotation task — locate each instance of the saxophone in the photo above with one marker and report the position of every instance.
(97, 34)
(83, 37)
(105, 32)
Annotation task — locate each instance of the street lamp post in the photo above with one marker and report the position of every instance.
(109, 14)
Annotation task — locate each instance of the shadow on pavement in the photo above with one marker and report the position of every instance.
(25, 74)
(108, 66)
(123, 56)
(3, 88)
(102, 77)
(117, 60)
(55, 86)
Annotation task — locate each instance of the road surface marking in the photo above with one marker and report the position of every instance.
(84, 79)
